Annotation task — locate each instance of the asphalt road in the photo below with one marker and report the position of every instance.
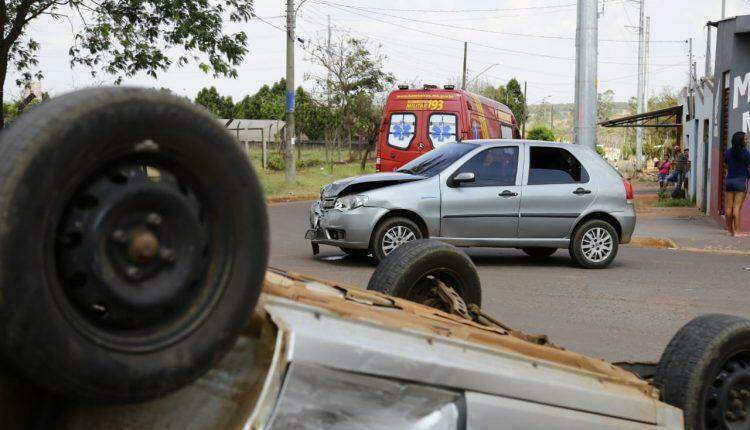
(626, 312)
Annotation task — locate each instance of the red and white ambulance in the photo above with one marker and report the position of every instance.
(418, 120)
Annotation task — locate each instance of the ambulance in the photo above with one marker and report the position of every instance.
(418, 120)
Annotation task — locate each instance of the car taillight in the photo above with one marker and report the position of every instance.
(628, 190)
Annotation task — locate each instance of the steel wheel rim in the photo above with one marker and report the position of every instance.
(597, 244)
(421, 290)
(395, 237)
(727, 398)
(181, 308)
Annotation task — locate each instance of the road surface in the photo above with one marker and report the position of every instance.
(626, 312)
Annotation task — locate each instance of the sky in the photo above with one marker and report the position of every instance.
(531, 40)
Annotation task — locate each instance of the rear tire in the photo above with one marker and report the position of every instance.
(705, 371)
(125, 275)
(404, 271)
(539, 252)
(594, 244)
(391, 233)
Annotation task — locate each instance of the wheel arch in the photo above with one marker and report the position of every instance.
(405, 213)
(603, 216)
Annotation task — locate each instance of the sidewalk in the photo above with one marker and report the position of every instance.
(684, 228)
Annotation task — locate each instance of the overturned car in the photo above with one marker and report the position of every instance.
(132, 294)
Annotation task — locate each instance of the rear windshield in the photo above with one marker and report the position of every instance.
(435, 161)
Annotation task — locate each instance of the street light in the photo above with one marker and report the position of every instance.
(480, 73)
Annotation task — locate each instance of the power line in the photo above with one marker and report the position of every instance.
(460, 27)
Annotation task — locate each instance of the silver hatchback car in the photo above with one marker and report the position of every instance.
(530, 195)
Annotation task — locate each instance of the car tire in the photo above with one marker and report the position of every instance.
(539, 252)
(355, 252)
(406, 272)
(590, 240)
(705, 371)
(100, 315)
(390, 229)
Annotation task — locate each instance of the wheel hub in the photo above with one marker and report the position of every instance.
(132, 248)
(728, 397)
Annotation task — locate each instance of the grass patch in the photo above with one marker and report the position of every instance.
(312, 174)
(671, 203)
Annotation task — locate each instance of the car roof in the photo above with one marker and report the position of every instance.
(489, 142)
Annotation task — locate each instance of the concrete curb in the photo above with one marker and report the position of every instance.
(667, 243)
(291, 199)
(653, 242)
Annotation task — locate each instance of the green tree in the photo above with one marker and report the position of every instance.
(540, 133)
(510, 95)
(353, 74)
(221, 106)
(123, 38)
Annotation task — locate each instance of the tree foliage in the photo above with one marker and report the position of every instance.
(541, 133)
(510, 95)
(123, 38)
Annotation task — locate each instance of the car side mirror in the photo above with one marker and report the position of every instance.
(463, 177)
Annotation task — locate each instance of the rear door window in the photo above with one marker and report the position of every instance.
(493, 167)
(507, 131)
(554, 166)
(441, 128)
(402, 130)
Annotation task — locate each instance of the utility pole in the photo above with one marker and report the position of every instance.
(690, 65)
(723, 9)
(290, 169)
(552, 117)
(641, 92)
(587, 39)
(708, 71)
(328, 77)
(463, 79)
(526, 112)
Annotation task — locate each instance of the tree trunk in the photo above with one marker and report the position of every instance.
(3, 73)
(363, 162)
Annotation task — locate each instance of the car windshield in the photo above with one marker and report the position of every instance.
(433, 162)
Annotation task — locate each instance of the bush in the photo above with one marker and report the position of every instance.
(600, 151)
(275, 162)
(541, 133)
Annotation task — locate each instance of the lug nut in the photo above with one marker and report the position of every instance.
(154, 219)
(166, 254)
(132, 272)
(119, 236)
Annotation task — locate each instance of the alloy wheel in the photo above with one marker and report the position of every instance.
(597, 244)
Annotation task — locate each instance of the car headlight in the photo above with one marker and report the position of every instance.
(348, 203)
(317, 397)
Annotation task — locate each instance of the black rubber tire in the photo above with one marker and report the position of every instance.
(576, 252)
(355, 252)
(377, 237)
(539, 252)
(693, 358)
(398, 273)
(44, 155)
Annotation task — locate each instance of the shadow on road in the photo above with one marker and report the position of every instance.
(480, 257)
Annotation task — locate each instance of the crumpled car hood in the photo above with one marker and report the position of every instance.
(358, 184)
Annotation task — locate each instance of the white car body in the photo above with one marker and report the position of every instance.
(321, 355)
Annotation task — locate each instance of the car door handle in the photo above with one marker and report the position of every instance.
(507, 194)
(581, 191)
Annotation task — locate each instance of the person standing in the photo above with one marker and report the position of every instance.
(664, 169)
(680, 168)
(737, 165)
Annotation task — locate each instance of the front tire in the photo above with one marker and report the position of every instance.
(594, 244)
(705, 371)
(392, 233)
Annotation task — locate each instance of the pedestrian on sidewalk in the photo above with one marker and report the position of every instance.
(664, 167)
(737, 165)
(680, 169)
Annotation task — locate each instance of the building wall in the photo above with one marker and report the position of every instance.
(732, 71)
(696, 132)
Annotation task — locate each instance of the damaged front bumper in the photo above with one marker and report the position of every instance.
(345, 229)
